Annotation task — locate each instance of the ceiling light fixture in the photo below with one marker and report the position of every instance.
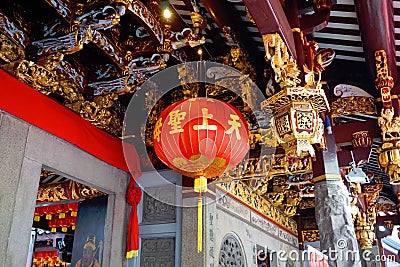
(167, 13)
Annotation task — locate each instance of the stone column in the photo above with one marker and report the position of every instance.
(332, 210)
(19, 179)
(335, 226)
(189, 255)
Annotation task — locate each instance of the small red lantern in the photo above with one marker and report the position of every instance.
(64, 224)
(60, 209)
(73, 208)
(201, 138)
(71, 221)
(48, 211)
(38, 213)
(54, 224)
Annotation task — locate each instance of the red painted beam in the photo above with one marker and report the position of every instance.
(270, 18)
(376, 20)
(292, 14)
(316, 21)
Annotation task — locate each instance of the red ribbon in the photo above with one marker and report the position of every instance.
(133, 197)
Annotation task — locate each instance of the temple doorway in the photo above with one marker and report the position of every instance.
(68, 228)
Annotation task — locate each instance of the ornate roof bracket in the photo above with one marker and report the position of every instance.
(136, 72)
(109, 48)
(68, 44)
(389, 122)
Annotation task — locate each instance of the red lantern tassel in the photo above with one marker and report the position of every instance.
(200, 186)
(200, 223)
(133, 196)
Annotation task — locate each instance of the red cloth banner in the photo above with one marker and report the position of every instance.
(24, 102)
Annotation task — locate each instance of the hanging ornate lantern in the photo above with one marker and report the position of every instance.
(201, 138)
(296, 119)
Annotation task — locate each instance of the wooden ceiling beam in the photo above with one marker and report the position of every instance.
(343, 132)
(376, 20)
(270, 18)
(344, 156)
(225, 15)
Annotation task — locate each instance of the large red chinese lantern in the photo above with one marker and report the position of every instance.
(201, 138)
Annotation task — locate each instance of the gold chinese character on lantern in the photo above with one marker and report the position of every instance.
(175, 119)
(205, 125)
(157, 129)
(234, 126)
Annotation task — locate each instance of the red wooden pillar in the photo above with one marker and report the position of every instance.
(376, 20)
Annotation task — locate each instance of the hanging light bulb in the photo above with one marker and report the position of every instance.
(167, 13)
(200, 53)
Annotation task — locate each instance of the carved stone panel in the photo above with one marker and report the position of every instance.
(158, 252)
(231, 253)
(155, 211)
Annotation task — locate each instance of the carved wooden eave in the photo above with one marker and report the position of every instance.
(84, 35)
(243, 193)
(8, 27)
(12, 40)
(66, 8)
(69, 10)
(146, 19)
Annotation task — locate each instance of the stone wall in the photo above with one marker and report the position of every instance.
(251, 230)
(233, 234)
(25, 149)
